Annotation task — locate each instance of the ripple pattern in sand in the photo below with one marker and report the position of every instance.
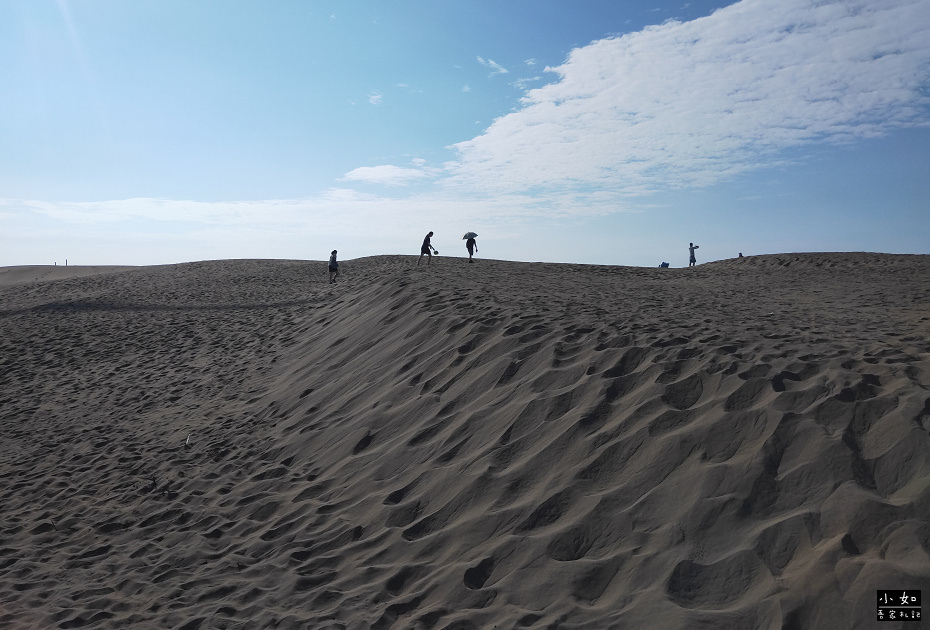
(741, 445)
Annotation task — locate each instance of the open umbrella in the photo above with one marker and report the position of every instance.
(469, 235)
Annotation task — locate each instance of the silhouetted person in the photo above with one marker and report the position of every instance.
(692, 261)
(333, 268)
(472, 247)
(425, 249)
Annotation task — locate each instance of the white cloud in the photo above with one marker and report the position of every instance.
(386, 174)
(493, 65)
(466, 88)
(523, 84)
(375, 98)
(690, 104)
(332, 209)
(530, 62)
(100, 212)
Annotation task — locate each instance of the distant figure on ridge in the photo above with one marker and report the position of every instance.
(693, 260)
(333, 268)
(425, 249)
(470, 244)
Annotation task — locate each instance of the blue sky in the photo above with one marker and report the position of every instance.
(163, 131)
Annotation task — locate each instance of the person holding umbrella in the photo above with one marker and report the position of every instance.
(425, 249)
(470, 244)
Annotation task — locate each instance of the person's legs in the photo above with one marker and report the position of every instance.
(429, 258)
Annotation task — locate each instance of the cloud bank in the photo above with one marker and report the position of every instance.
(690, 104)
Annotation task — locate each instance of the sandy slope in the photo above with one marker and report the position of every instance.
(739, 445)
(46, 273)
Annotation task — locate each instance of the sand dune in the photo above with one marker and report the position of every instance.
(238, 444)
(46, 273)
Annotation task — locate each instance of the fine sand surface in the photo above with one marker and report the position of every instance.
(743, 444)
(45, 273)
